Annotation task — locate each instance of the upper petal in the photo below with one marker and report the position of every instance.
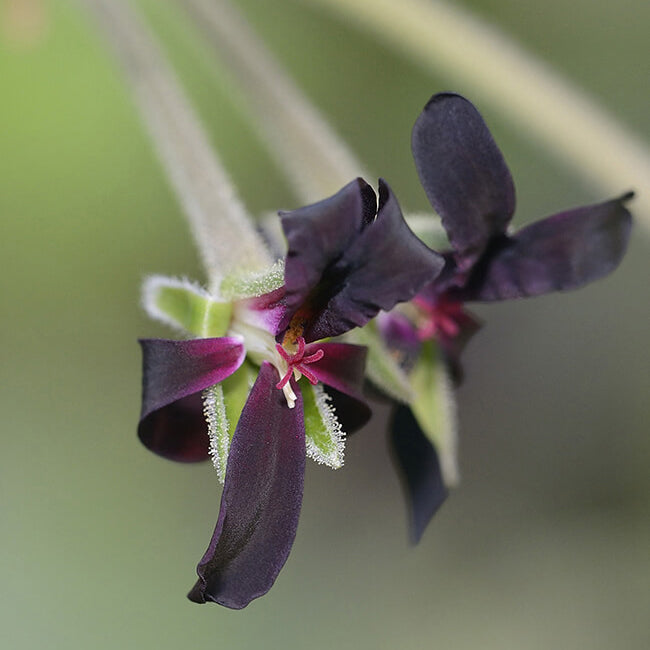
(172, 371)
(463, 173)
(385, 264)
(261, 499)
(318, 234)
(564, 251)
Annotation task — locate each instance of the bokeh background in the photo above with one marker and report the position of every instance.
(546, 542)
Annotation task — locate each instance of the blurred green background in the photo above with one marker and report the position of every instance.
(546, 542)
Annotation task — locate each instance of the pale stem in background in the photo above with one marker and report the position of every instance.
(537, 100)
(315, 160)
(223, 231)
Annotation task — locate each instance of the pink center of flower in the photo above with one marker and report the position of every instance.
(441, 319)
(297, 363)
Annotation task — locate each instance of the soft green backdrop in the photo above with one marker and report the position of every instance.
(546, 542)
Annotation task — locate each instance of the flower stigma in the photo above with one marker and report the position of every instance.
(297, 366)
(288, 358)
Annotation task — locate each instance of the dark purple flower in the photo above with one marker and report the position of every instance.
(347, 259)
(341, 271)
(469, 185)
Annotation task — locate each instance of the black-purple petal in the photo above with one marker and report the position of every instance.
(562, 252)
(384, 264)
(261, 499)
(419, 469)
(463, 173)
(318, 235)
(171, 423)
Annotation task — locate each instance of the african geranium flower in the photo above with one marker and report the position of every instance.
(469, 185)
(347, 259)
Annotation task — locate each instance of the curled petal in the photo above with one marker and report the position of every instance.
(343, 267)
(565, 251)
(261, 499)
(463, 173)
(419, 469)
(177, 431)
(386, 265)
(318, 235)
(170, 424)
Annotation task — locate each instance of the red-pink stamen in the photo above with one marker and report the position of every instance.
(440, 319)
(297, 362)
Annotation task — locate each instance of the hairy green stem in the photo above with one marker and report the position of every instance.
(315, 160)
(450, 41)
(223, 231)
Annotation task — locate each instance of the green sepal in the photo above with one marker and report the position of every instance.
(214, 411)
(222, 406)
(324, 438)
(250, 285)
(186, 306)
(382, 367)
(434, 407)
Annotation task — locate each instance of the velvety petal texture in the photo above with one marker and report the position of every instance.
(342, 266)
(319, 234)
(177, 431)
(463, 173)
(419, 468)
(173, 371)
(565, 251)
(261, 499)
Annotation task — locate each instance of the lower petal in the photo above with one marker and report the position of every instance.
(261, 499)
(171, 424)
(419, 469)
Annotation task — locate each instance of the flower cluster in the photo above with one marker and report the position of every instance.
(347, 259)
(260, 385)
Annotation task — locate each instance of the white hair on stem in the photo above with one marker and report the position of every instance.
(223, 231)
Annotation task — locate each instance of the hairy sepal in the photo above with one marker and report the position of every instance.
(253, 284)
(434, 407)
(222, 406)
(324, 437)
(185, 306)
